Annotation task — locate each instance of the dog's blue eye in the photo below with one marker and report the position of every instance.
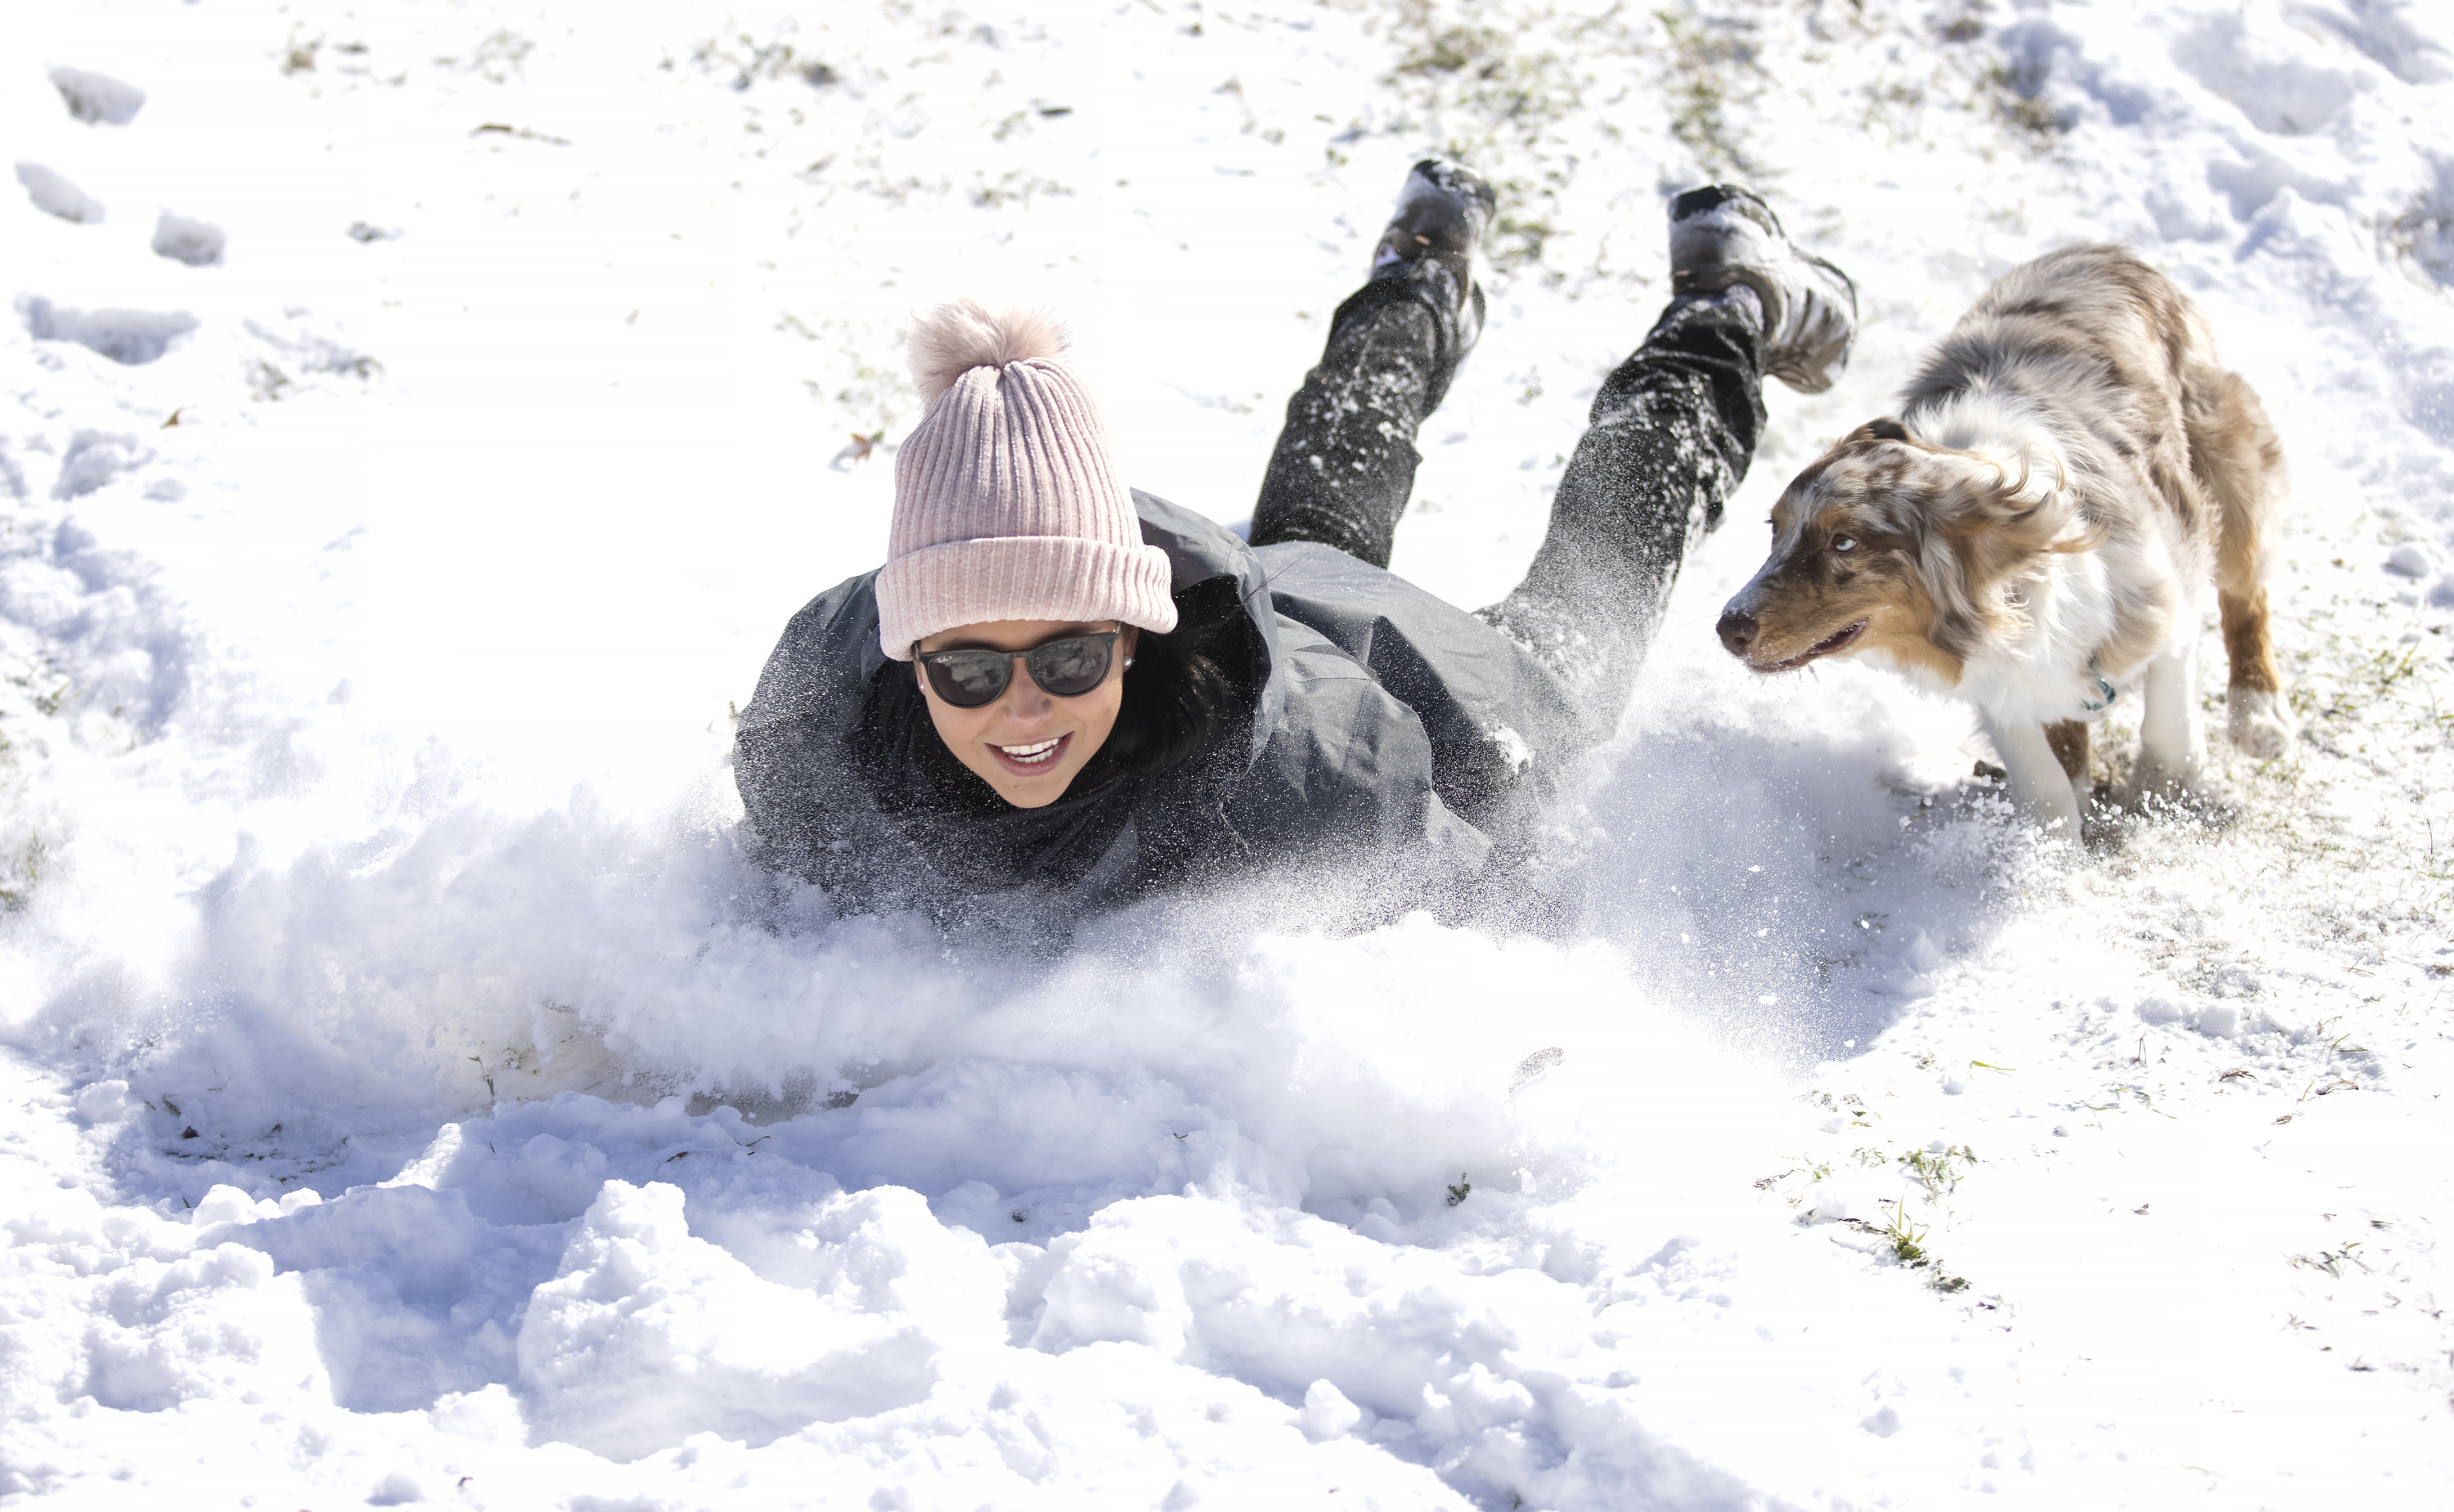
(1843, 543)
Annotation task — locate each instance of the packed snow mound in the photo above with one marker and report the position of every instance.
(130, 337)
(414, 1096)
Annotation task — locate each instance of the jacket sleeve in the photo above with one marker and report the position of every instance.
(792, 757)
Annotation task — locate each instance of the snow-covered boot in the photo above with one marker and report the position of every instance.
(1723, 234)
(1443, 213)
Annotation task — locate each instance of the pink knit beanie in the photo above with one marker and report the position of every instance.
(1007, 501)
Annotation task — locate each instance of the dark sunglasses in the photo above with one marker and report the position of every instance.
(973, 678)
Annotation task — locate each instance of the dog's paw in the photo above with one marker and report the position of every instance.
(2259, 723)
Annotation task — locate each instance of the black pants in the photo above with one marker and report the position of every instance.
(1668, 441)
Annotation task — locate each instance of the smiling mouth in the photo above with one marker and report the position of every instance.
(1837, 641)
(1028, 760)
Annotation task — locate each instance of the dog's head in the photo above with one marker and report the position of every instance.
(1890, 544)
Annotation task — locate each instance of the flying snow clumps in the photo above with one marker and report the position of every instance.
(97, 98)
(54, 195)
(181, 239)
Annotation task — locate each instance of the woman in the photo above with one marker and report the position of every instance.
(1108, 695)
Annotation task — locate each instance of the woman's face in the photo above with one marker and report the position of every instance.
(1028, 744)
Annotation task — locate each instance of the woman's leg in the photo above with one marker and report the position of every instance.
(1345, 462)
(1669, 441)
(1670, 437)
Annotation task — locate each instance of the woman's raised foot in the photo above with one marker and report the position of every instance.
(1724, 235)
(1443, 213)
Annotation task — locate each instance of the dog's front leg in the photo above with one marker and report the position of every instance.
(2168, 727)
(2039, 784)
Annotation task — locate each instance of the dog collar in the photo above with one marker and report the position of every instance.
(2106, 692)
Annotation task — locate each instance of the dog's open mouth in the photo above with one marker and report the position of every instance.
(1837, 641)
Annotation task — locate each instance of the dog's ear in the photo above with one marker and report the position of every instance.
(1883, 429)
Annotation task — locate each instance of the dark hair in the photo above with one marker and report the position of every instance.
(1181, 684)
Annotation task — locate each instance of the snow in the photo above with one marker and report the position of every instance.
(192, 242)
(413, 1096)
(54, 195)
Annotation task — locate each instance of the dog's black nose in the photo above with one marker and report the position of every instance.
(1738, 632)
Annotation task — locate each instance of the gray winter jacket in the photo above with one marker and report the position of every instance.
(1372, 723)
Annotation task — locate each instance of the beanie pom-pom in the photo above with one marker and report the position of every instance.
(953, 339)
